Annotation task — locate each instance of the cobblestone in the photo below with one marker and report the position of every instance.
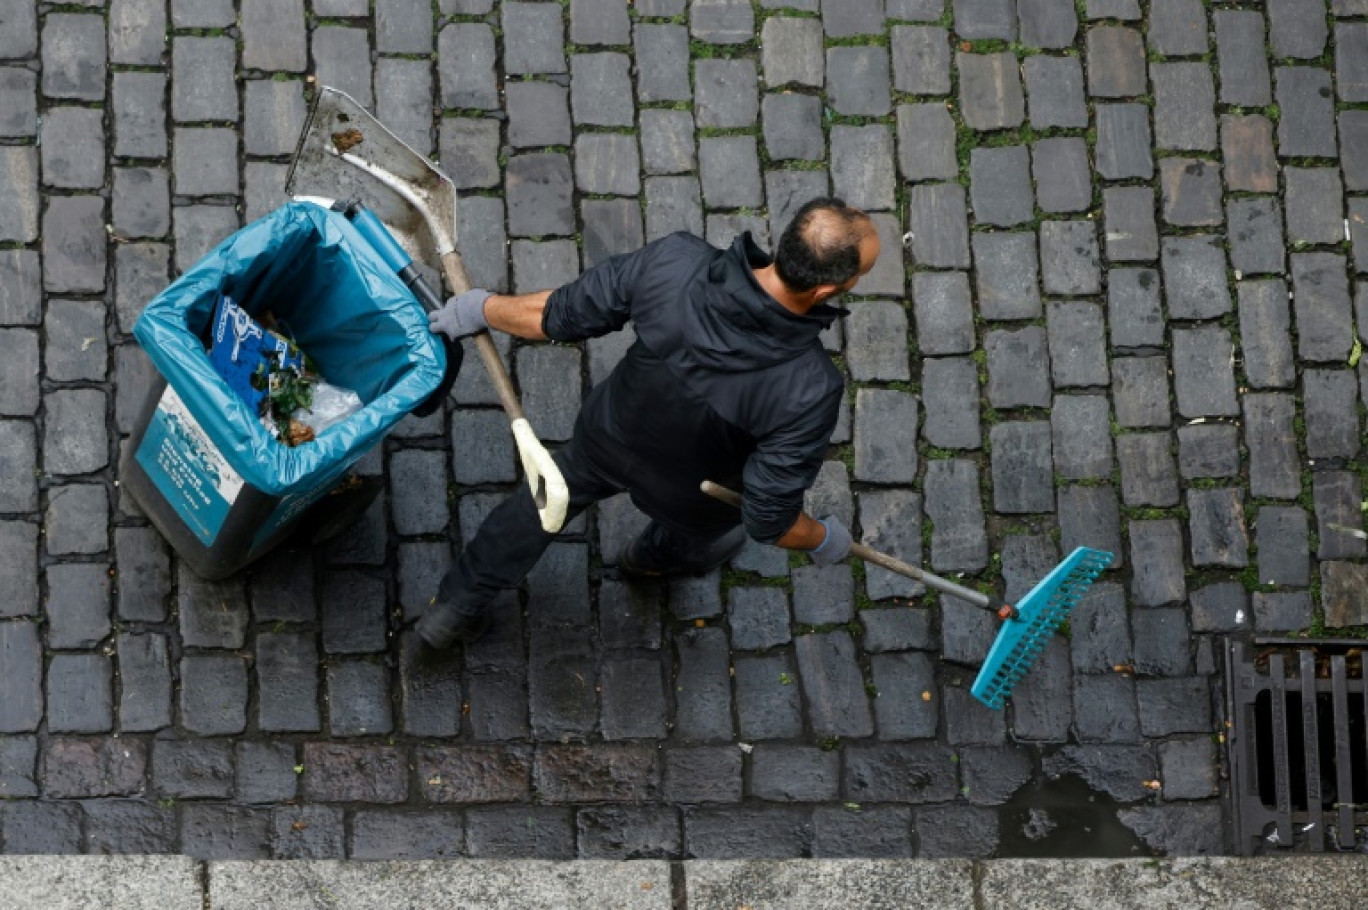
(1123, 142)
(1282, 542)
(958, 537)
(1148, 474)
(1007, 275)
(990, 91)
(1330, 407)
(926, 142)
(1292, 33)
(1247, 147)
(74, 56)
(1308, 128)
(1000, 185)
(1265, 321)
(1274, 470)
(1353, 129)
(1069, 258)
(1055, 92)
(76, 519)
(536, 110)
(1081, 437)
(1184, 99)
(791, 52)
(950, 389)
(1240, 37)
(1195, 276)
(1208, 451)
(1062, 178)
(768, 704)
(1018, 374)
(1090, 516)
(1314, 209)
(880, 455)
(1133, 308)
(1321, 306)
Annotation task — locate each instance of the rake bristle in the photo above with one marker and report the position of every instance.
(1039, 614)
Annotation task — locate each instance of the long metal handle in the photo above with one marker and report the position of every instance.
(977, 598)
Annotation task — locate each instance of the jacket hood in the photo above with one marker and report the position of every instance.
(737, 325)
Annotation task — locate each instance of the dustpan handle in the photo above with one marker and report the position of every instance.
(459, 282)
(892, 564)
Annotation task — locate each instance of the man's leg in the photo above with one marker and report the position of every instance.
(659, 550)
(504, 549)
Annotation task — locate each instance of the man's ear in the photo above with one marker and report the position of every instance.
(824, 292)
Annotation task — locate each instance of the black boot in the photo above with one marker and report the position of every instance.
(444, 623)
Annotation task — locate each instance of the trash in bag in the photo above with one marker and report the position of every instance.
(331, 404)
(262, 364)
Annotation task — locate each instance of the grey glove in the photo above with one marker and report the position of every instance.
(836, 546)
(463, 315)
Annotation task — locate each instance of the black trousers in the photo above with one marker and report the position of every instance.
(511, 540)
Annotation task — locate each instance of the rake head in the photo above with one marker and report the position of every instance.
(1020, 640)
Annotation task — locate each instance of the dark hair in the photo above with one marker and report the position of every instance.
(821, 245)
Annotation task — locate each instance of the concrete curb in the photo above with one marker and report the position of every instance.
(173, 883)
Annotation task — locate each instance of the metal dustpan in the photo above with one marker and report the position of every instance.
(397, 195)
(346, 153)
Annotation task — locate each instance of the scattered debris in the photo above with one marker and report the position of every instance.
(346, 140)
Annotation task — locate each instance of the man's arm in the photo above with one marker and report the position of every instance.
(783, 466)
(807, 533)
(519, 314)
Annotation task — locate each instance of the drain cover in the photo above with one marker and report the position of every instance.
(1298, 745)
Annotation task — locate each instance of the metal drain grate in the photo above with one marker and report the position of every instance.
(1298, 745)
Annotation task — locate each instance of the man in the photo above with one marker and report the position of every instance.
(727, 381)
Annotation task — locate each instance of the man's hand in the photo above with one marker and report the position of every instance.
(463, 315)
(835, 546)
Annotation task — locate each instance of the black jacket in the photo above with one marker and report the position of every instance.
(722, 383)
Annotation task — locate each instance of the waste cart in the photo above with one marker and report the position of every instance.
(201, 464)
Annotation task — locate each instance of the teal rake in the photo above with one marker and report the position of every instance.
(1026, 627)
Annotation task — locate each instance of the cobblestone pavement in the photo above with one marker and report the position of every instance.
(1116, 306)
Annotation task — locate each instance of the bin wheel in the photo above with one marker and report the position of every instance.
(338, 510)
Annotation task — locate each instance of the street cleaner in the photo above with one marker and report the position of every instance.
(727, 381)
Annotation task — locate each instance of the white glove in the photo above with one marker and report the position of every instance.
(463, 315)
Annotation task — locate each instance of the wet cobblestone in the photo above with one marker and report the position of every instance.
(1116, 307)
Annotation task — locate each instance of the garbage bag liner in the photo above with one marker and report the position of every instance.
(344, 308)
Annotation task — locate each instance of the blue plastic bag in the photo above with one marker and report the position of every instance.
(344, 307)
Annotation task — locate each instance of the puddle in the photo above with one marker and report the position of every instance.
(1064, 818)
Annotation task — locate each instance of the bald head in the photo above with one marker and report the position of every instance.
(823, 245)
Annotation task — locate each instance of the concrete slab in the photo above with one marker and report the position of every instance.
(508, 885)
(821, 884)
(1322, 883)
(89, 882)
